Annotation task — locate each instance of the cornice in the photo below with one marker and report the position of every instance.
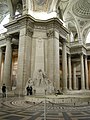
(35, 22)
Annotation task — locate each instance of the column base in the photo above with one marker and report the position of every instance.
(64, 90)
(82, 88)
(70, 89)
(19, 92)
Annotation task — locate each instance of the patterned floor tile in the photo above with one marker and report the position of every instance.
(19, 109)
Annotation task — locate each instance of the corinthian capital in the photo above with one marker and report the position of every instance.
(8, 37)
(50, 33)
(29, 32)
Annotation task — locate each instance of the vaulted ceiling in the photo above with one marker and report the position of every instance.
(3, 9)
(75, 13)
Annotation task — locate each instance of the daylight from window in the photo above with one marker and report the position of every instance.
(5, 21)
(88, 38)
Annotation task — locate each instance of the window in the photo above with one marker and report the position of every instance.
(88, 38)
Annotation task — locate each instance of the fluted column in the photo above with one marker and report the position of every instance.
(69, 72)
(24, 59)
(8, 63)
(64, 66)
(82, 73)
(86, 73)
(53, 58)
(74, 76)
(0, 66)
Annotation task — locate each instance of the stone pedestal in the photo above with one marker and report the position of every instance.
(40, 91)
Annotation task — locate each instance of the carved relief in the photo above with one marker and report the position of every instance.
(50, 33)
(29, 32)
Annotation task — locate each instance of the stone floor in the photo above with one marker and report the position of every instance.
(17, 108)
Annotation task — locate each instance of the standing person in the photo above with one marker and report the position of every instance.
(4, 90)
(28, 89)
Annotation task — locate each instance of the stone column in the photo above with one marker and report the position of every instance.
(8, 63)
(86, 73)
(24, 59)
(69, 72)
(0, 66)
(53, 58)
(74, 76)
(64, 66)
(82, 73)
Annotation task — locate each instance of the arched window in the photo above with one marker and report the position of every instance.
(5, 21)
(88, 38)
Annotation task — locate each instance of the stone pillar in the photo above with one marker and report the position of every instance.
(86, 73)
(24, 59)
(69, 72)
(74, 76)
(64, 66)
(53, 58)
(0, 66)
(82, 73)
(8, 63)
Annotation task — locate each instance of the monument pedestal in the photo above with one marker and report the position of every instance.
(40, 91)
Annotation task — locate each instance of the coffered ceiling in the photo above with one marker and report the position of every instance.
(75, 12)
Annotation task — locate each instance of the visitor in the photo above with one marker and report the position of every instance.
(28, 90)
(4, 90)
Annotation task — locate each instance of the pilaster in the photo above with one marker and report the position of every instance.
(24, 59)
(53, 58)
(86, 73)
(64, 66)
(69, 72)
(0, 66)
(82, 72)
(8, 63)
(74, 77)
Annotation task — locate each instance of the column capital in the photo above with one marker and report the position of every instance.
(81, 53)
(29, 32)
(85, 56)
(0, 49)
(8, 37)
(50, 33)
(69, 55)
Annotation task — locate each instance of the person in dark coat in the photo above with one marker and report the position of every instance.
(28, 89)
(4, 90)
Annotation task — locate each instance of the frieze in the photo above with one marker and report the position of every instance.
(79, 50)
(75, 50)
(40, 27)
(13, 28)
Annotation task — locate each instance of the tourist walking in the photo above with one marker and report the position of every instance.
(4, 90)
